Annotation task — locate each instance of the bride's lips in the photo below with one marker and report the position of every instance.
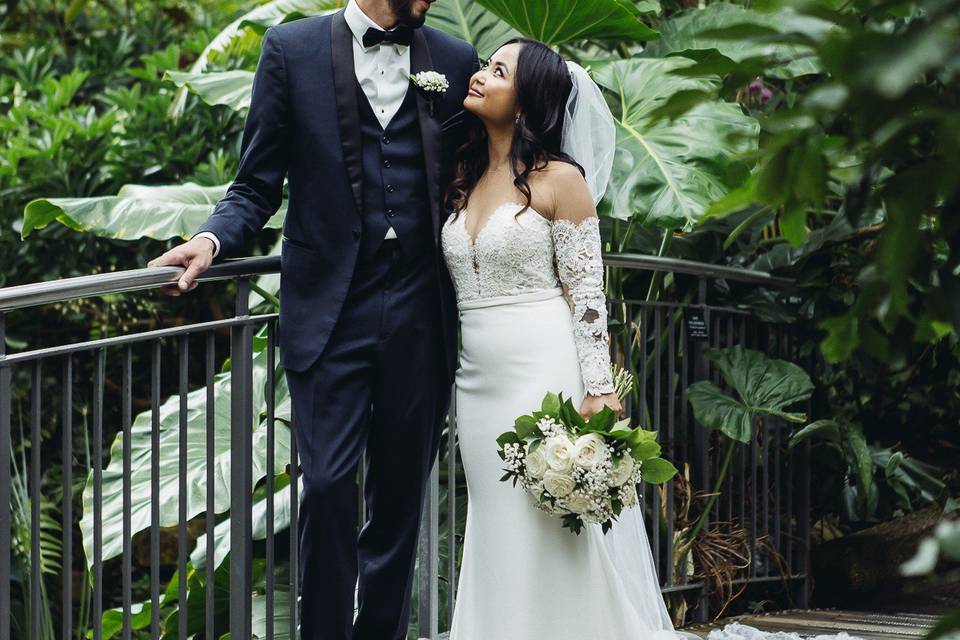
(475, 93)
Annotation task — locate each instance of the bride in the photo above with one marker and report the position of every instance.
(523, 249)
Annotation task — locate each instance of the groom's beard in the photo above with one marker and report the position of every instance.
(407, 15)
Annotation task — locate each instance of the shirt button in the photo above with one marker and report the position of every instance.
(386, 163)
(391, 188)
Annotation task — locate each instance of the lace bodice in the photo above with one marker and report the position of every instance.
(516, 254)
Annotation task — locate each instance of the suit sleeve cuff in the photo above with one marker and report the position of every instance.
(213, 238)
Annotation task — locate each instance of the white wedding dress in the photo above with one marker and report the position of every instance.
(523, 576)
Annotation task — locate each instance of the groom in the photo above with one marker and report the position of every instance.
(367, 313)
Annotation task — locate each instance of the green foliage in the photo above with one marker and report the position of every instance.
(667, 173)
(765, 386)
(470, 21)
(558, 21)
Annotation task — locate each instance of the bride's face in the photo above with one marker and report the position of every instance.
(492, 94)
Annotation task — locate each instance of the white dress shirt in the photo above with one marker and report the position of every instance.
(383, 72)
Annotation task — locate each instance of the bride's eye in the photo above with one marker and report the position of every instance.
(484, 64)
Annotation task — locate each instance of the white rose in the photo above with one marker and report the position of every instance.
(622, 470)
(590, 450)
(559, 452)
(579, 502)
(536, 462)
(558, 484)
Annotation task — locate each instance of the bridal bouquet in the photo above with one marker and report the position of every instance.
(578, 470)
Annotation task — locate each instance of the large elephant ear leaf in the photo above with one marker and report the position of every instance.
(558, 21)
(738, 33)
(137, 211)
(764, 386)
(247, 30)
(667, 172)
(471, 21)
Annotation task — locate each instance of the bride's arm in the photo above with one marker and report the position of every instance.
(576, 238)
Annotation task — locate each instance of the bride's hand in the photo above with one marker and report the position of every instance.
(593, 405)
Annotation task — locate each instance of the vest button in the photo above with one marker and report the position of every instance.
(391, 188)
(386, 139)
(356, 233)
(386, 163)
(391, 212)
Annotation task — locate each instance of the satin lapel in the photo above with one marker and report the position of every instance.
(348, 114)
(420, 60)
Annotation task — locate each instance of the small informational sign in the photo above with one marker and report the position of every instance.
(697, 328)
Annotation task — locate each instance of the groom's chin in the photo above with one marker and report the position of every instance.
(413, 13)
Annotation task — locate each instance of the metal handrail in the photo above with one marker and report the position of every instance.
(97, 284)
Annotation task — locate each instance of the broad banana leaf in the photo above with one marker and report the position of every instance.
(697, 29)
(229, 88)
(470, 21)
(666, 173)
(168, 462)
(137, 211)
(256, 20)
(558, 21)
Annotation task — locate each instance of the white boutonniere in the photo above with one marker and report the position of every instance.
(431, 83)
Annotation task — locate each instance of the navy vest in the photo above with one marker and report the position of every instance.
(394, 179)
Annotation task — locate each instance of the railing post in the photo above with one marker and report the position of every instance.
(429, 598)
(5, 480)
(241, 460)
(701, 437)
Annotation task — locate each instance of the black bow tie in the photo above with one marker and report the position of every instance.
(401, 35)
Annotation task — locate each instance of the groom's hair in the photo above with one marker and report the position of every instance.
(543, 86)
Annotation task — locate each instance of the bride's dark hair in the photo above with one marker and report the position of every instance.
(543, 86)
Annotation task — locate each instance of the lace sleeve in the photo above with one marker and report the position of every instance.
(580, 266)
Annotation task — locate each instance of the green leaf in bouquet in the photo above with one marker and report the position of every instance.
(551, 404)
(621, 427)
(602, 421)
(526, 426)
(639, 436)
(534, 445)
(645, 450)
(509, 437)
(570, 416)
(657, 471)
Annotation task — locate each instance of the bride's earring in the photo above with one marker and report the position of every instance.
(517, 119)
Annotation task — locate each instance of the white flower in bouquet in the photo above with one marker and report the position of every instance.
(623, 468)
(536, 462)
(579, 502)
(559, 452)
(628, 495)
(558, 484)
(590, 450)
(550, 427)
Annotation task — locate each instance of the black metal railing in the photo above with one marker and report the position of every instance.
(764, 493)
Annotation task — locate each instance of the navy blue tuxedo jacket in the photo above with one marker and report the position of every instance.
(303, 122)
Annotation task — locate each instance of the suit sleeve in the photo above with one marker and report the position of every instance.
(256, 193)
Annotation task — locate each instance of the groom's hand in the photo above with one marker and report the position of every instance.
(196, 255)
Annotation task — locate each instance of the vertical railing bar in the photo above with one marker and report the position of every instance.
(241, 478)
(777, 457)
(5, 521)
(452, 449)
(805, 500)
(182, 618)
(35, 446)
(742, 449)
(728, 481)
(66, 605)
(210, 414)
(155, 489)
(126, 418)
(657, 417)
(701, 440)
(271, 472)
(671, 440)
(98, 374)
(644, 321)
(294, 526)
(429, 553)
(685, 426)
